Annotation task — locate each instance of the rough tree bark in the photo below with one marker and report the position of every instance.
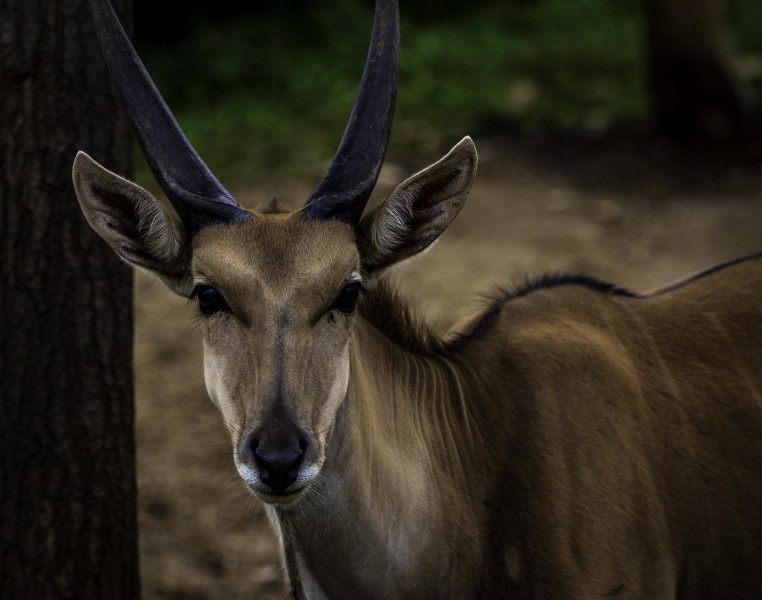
(68, 526)
(695, 86)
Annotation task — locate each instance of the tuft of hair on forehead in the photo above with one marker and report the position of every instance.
(271, 207)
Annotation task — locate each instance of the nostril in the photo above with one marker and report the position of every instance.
(278, 468)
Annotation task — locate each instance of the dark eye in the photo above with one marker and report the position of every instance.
(210, 301)
(346, 301)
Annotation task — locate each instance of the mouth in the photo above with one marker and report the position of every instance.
(280, 499)
(265, 494)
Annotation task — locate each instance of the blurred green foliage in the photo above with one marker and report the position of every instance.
(264, 93)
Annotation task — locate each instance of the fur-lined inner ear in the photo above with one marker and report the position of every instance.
(143, 230)
(393, 224)
(163, 241)
(417, 212)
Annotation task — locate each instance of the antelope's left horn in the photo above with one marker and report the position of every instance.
(346, 187)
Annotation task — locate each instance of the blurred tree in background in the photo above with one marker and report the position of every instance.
(263, 88)
(696, 89)
(68, 507)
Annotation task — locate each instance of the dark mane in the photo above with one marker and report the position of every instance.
(556, 278)
(390, 312)
(705, 273)
(502, 295)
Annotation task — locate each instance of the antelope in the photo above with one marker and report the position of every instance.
(574, 440)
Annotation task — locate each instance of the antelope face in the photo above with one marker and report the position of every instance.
(276, 299)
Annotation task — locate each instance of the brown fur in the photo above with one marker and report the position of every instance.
(386, 308)
(575, 440)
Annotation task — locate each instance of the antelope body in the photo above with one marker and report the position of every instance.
(573, 441)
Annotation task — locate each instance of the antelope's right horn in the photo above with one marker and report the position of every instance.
(193, 190)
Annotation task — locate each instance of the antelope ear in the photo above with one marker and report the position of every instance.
(143, 230)
(417, 212)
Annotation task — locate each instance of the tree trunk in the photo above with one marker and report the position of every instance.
(68, 526)
(696, 89)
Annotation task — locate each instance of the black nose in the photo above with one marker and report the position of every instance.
(277, 461)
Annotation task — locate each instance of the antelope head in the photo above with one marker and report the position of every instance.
(276, 292)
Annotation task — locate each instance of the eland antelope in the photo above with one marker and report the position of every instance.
(575, 440)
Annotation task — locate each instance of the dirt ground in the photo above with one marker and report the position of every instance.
(624, 208)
